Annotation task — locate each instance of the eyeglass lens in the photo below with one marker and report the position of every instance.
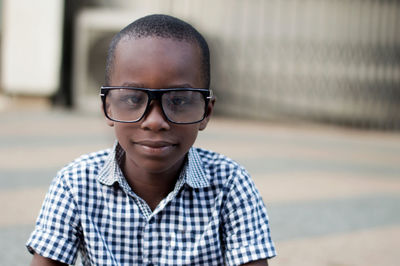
(129, 105)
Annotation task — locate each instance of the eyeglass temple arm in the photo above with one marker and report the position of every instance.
(211, 95)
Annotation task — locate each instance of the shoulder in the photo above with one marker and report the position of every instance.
(219, 167)
(85, 166)
(211, 158)
(94, 160)
(228, 175)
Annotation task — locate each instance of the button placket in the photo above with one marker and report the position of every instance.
(147, 241)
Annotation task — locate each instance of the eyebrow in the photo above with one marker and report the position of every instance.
(138, 85)
(132, 84)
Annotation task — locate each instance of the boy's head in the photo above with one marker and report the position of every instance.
(157, 96)
(162, 26)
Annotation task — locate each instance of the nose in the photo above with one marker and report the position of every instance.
(154, 119)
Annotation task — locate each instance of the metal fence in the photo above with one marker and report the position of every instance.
(326, 60)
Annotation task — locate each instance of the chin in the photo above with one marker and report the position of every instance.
(160, 167)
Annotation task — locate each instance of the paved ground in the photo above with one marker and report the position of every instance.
(333, 194)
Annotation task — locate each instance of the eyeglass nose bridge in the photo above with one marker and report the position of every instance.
(154, 95)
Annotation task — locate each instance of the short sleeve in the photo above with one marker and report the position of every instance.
(246, 232)
(56, 235)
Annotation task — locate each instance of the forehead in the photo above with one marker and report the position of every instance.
(146, 46)
(157, 58)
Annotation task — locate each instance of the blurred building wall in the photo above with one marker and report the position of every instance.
(31, 46)
(314, 59)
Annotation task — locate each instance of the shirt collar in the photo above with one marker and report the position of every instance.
(109, 173)
(193, 172)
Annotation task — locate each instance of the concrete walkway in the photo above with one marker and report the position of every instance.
(333, 194)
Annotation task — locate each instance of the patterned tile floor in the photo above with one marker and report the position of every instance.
(333, 194)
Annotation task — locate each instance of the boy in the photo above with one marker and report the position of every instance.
(153, 199)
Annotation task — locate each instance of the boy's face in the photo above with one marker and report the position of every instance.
(153, 145)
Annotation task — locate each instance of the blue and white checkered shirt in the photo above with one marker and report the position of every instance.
(214, 216)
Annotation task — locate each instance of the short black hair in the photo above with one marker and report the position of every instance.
(164, 26)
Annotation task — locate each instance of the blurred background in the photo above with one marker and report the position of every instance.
(308, 99)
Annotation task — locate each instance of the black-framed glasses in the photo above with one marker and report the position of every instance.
(179, 105)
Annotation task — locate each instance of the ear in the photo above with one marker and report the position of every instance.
(210, 109)
(108, 121)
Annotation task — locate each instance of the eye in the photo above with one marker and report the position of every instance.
(133, 100)
(179, 100)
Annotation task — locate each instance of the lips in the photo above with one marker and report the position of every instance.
(154, 144)
(155, 147)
